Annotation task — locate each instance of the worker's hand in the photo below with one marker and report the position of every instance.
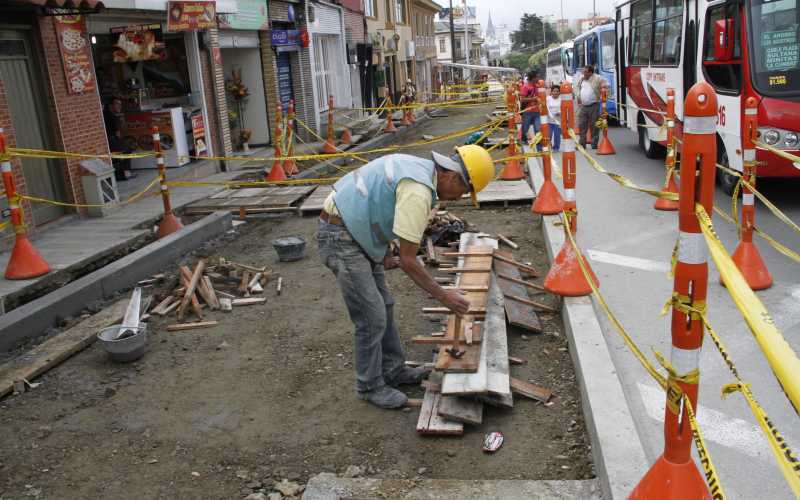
(391, 262)
(455, 301)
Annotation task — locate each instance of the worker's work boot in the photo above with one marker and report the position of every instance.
(384, 397)
(409, 376)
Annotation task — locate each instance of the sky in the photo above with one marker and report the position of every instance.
(510, 11)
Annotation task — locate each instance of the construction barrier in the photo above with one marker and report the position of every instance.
(289, 163)
(604, 147)
(747, 257)
(276, 172)
(565, 277)
(548, 200)
(330, 143)
(669, 182)
(25, 261)
(169, 223)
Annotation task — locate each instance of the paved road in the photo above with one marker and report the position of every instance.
(629, 245)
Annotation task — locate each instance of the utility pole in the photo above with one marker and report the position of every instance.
(466, 36)
(452, 36)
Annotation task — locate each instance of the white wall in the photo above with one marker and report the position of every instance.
(255, 108)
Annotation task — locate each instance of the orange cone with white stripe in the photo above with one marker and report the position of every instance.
(330, 144)
(604, 147)
(289, 164)
(548, 200)
(389, 112)
(276, 173)
(169, 223)
(674, 476)
(746, 256)
(512, 171)
(566, 278)
(670, 186)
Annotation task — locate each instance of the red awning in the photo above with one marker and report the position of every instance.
(64, 3)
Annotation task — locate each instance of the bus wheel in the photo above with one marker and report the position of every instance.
(651, 148)
(726, 181)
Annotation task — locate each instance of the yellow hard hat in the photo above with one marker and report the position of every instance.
(479, 168)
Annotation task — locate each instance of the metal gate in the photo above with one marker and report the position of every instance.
(27, 106)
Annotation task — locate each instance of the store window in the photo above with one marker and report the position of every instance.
(327, 59)
(724, 75)
(442, 45)
(400, 12)
(369, 8)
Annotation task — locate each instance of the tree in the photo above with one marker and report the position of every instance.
(517, 60)
(567, 34)
(533, 34)
(538, 61)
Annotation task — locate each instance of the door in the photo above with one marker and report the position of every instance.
(25, 95)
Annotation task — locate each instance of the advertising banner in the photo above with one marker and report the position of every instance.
(191, 16)
(75, 55)
(143, 42)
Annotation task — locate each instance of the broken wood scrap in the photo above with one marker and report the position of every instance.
(413, 403)
(505, 257)
(191, 326)
(444, 310)
(530, 390)
(159, 308)
(189, 297)
(522, 282)
(516, 361)
(458, 409)
(532, 303)
(279, 286)
(507, 241)
(249, 301)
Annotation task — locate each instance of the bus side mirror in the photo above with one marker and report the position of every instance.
(724, 36)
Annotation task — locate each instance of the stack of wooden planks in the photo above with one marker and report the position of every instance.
(221, 286)
(459, 386)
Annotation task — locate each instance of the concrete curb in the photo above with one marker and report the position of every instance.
(34, 318)
(619, 457)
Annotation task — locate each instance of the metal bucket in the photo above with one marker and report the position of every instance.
(126, 349)
(290, 248)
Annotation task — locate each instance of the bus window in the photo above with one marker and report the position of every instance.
(775, 35)
(641, 32)
(592, 49)
(580, 54)
(554, 58)
(607, 49)
(724, 75)
(567, 61)
(667, 34)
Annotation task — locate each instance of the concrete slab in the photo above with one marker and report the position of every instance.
(34, 318)
(618, 453)
(327, 486)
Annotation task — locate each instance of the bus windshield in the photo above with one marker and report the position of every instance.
(775, 46)
(607, 49)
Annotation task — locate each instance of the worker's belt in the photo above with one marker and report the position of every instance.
(331, 219)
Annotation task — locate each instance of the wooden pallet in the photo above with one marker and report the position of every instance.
(252, 200)
(503, 193)
(313, 204)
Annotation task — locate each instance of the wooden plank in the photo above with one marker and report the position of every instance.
(187, 297)
(249, 301)
(62, 346)
(444, 310)
(316, 200)
(466, 410)
(429, 421)
(506, 257)
(529, 302)
(459, 270)
(413, 403)
(211, 292)
(191, 326)
(441, 337)
(468, 288)
(496, 344)
(529, 390)
(516, 361)
(520, 282)
(186, 277)
(519, 314)
(507, 241)
(205, 291)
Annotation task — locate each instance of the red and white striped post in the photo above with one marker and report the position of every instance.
(746, 256)
(670, 186)
(25, 261)
(605, 147)
(548, 200)
(675, 475)
(566, 277)
(330, 144)
(169, 223)
(289, 165)
(276, 173)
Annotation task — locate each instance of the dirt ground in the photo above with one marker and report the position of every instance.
(269, 394)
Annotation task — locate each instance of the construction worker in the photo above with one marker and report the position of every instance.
(390, 197)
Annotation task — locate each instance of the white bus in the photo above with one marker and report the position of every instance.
(559, 64)
(743, 48)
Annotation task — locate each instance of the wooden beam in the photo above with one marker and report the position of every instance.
(191, 326)
(444, 310)
(249, 301)
(507, 241)
(521, 282)
(519, 265)
(516, 361)
(532, 303)
(468, 288)
(529, 390)
(188, 295)
(456, 270)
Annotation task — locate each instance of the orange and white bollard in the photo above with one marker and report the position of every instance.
(330, 144)
(746, 256)
(25, 261)
(404, 105)
(548, 199)
(675, 475)
(512, 171)
(604, 147)
(670, 186)
(389, 112)
(169, 223)
(289, 165)
(566, 277)
(276, 173)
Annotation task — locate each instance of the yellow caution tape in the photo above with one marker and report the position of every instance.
(779, 152)
(36, 199)
(42, 153)
(316, 135)
(620, 179)
(783, 360)
(710, 472)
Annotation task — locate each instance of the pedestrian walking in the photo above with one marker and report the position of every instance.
(530, 106)
(554, 113)
(589, 87)
(390, 197)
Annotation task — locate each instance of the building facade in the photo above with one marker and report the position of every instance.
(389, 32)
(423, 13)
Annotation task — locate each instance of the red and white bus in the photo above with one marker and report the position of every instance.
(742, 48)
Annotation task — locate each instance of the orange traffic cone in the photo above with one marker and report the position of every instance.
(330, 146)
(513, 170)
(664, 204)
(670, 186)
(389, 112)
(347, 137)
(25, 262)
(548, 199)
(605, 147)
(276, 173)
(749, 262)
(671, 481)
(406, 121)
(565, 277)
(289, 165)
(169, 222)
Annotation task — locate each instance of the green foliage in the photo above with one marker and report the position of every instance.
(530, 35)
(517, 60)
(538, 61)
(567, 34)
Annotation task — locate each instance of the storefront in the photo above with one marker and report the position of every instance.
(328, 58)
(157, 74)
(240, 46)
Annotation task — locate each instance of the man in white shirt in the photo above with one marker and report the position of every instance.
(589, 88)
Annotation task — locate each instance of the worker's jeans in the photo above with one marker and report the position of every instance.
(378, 353)
(555, 137)
(530, 120)
(587, 118)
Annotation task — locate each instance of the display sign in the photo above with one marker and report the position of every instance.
(75, 54)
(285, 37)
(285, 84)
(191, 16)
(781, 50)
(143, 42)
(199, 134)
(137, 130)
(251, 15)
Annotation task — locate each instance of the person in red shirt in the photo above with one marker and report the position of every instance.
(530, 105)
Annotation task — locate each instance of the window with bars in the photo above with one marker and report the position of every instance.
(327, 58)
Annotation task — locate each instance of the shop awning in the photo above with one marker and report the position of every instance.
(64, 3)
